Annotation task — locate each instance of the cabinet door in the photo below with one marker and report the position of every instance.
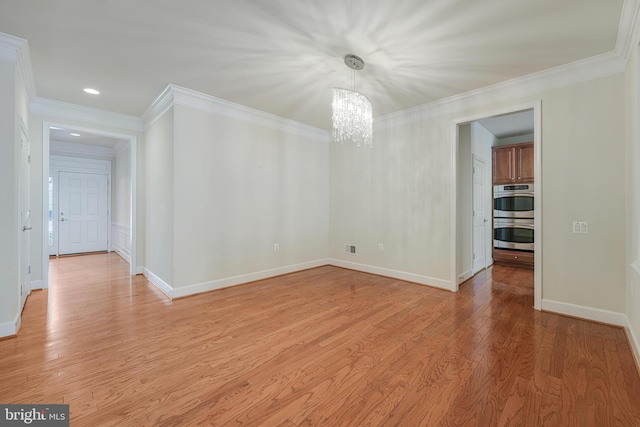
(504, 165)
(524, 156)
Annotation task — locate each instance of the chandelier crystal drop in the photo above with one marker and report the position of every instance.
(352, 117)
(352, 112)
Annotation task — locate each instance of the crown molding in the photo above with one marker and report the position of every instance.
(598, 66)
(177, 95)
(15, 49)
(72, 112)
(63, 148)
(158, 107)
(628, 28)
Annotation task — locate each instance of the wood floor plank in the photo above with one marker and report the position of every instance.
(322, 347)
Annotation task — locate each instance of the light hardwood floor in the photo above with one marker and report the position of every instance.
(326, 346)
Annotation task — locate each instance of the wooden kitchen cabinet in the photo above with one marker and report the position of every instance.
(513, 258)
(513, 163)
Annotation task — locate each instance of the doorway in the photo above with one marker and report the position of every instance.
(80, 204)
(85, 210)
(466, 228)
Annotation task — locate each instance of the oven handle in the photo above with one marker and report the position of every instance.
(499, 195)
(530, 227)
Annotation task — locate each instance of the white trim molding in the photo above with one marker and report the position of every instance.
(226, 282)
(633, 342)
(583, 312)
(177, 95)
(628, 28)
(16, 50)
(158, 282)
(66, 111)
(10, 329)
(244, 278)
(394, 274)
(583, 70)
(36, 284)
(465, 276)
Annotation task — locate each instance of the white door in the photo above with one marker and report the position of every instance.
(479, 215)
(25, 218)
(82, 213)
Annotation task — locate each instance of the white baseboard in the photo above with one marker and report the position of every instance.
(122, 255)
(633, 341)
(464, 276)
(198, 288)
(156, 280)
(401, 275)
(588, 313)
(10, 329)
(244, 278)
(36, 284)
(140, 270)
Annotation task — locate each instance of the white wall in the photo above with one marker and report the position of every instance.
(633, 201)
(583, 170)
(158, 192)
(241, 187)
(13, 111)
(121, 203)
(399, 192)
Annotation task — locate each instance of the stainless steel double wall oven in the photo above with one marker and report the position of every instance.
(513, 216)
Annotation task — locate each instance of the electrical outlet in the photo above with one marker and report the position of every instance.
(380, 247)
(580, 227)
(276, 247)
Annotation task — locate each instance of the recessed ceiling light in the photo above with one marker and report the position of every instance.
(74, 134)
(92, 91)
(55, 128)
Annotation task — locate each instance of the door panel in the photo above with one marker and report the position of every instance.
(25, 218)
(83, 212)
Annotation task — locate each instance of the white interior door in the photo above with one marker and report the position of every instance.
(82, 213)
(480, 220)
(25, 218)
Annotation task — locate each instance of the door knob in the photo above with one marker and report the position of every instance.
(25, 228)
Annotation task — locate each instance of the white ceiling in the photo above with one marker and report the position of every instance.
(514, 124)
(87, 138)
(284, 56)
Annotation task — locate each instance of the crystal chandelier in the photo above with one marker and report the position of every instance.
(352, 113)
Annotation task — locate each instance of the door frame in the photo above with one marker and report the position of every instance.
(132, 141)
(536, 106)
